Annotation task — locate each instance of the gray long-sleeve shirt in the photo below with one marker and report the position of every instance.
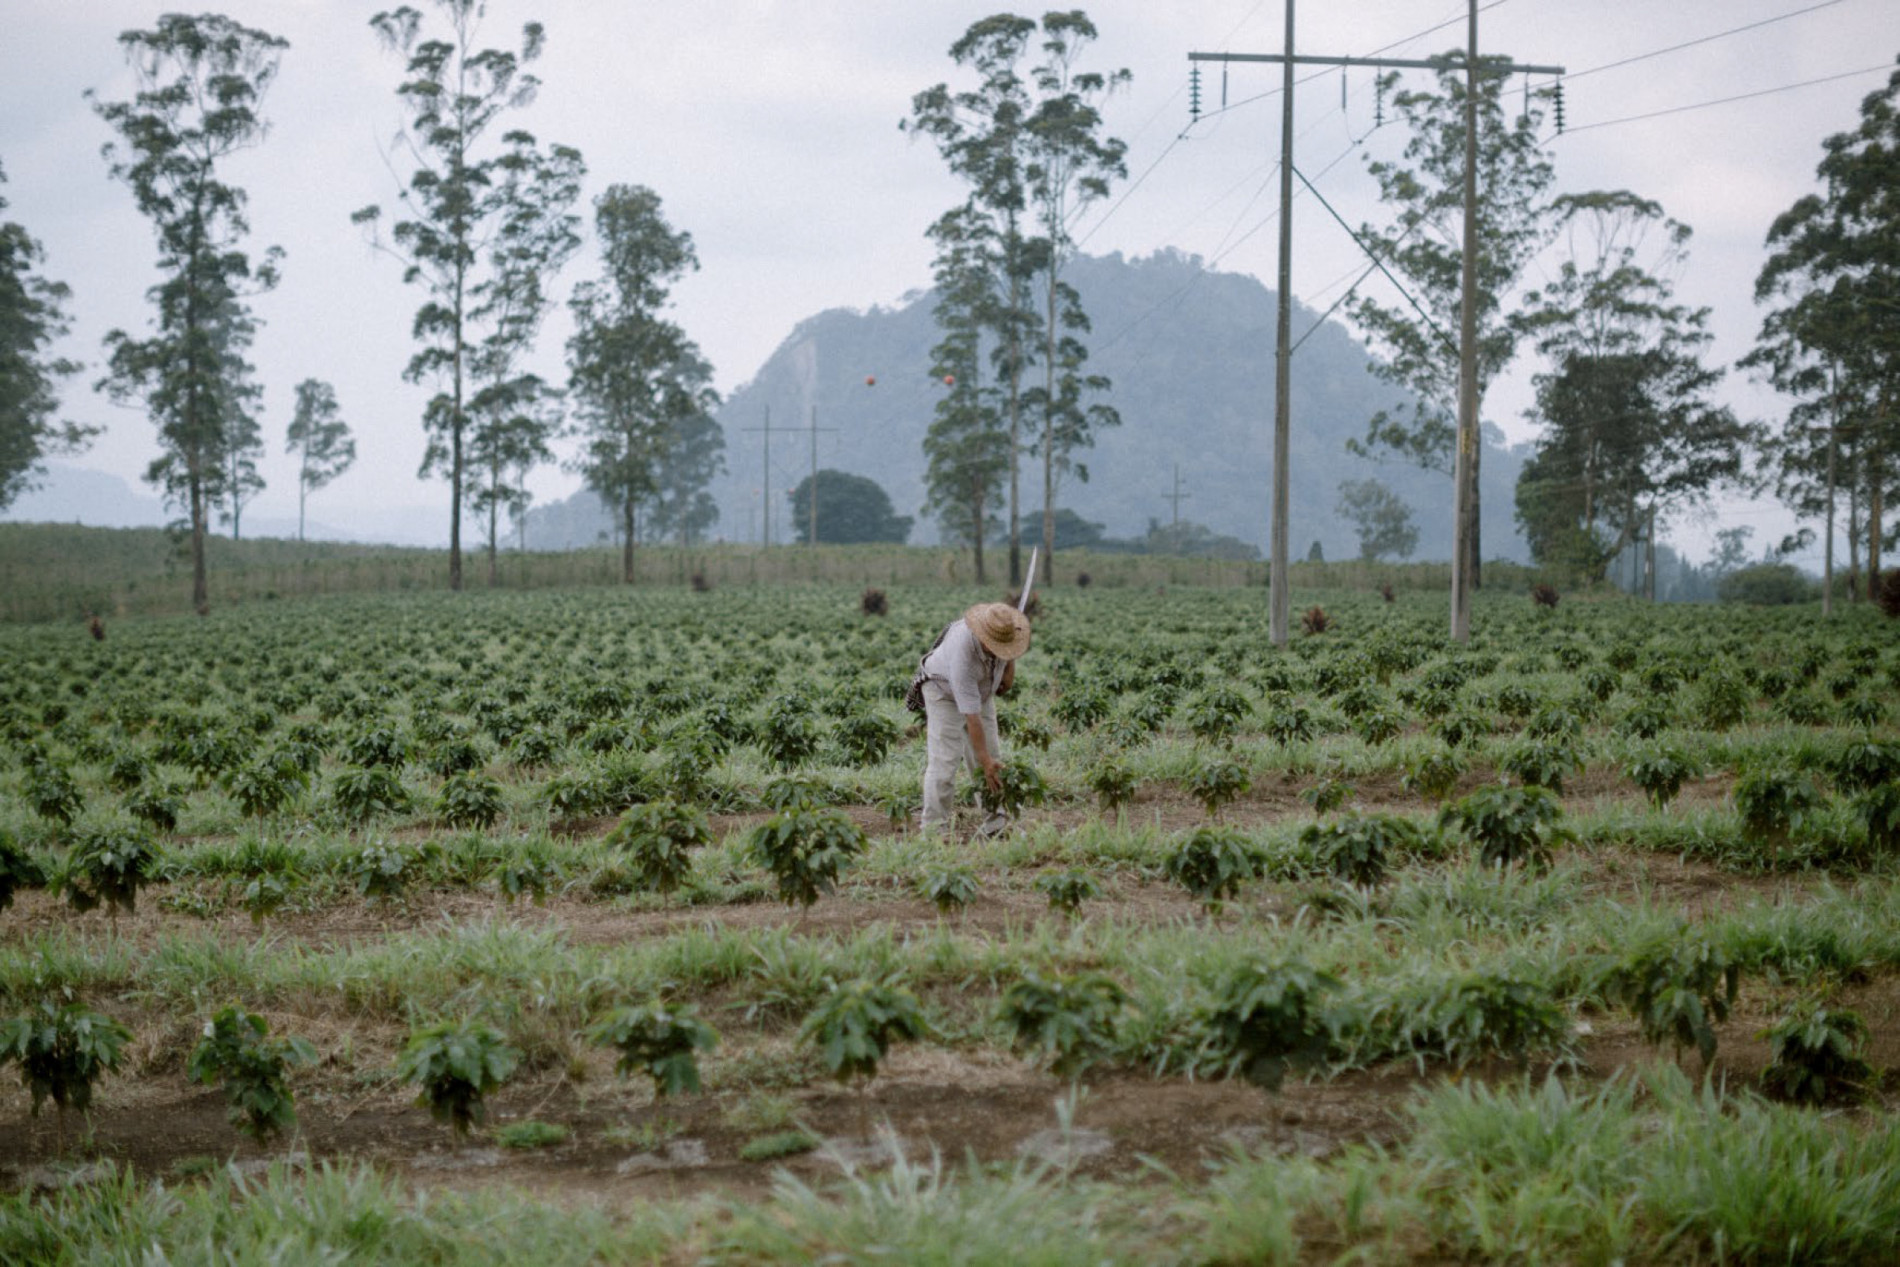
(964, 667)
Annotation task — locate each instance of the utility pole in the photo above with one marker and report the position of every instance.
(1177, 496)
(766, 505)
(1465, 467)
(811, 494)
(1467, 392)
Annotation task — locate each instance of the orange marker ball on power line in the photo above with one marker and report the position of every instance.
(949, 380)
(870, 380)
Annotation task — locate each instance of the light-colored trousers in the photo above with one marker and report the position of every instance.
(947, 749)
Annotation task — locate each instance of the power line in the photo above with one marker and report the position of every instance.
(1722, 101)
(1673, 48)
(1318, 74)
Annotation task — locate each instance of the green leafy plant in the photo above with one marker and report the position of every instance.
(866, 738)
(377, 745)
(264, 787)
(854, 1025)
(1113, 781)
(526, 873)
(1433, 775)
(805, 849)
(1290, 724)
(238, 1052)
(1661, 771)
(1775, 804)
(1212, 862)
(264, 894)
(1067, 1020)
(1879, 808)
(62, 1049)
(1327, 794)
(1080, 707)
(108, 864)
(1268, 1017)
(658, 1039)
(1217, 781)
(469, 798)
(18, 869)
(159, 806)
(127, 770)
(360, 793)
(1378, 725)
(1020, 786)
(1067, 890)
(455, 754)
(53, 793)
(1508, 824)
(1816, 1056)
(574, 794)
(1542, 763)
(1462, 727)
(1865, 764)
(1358, 848)
(1217, 713)
(1484, 1014)
(380, 870)
(789, 736)
(1723, 698)
(659, 838)
(900, 807)
(948, 888)
(1645, 720)
(1676, 987)
(456, 1065)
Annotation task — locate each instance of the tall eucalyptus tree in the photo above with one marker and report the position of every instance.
(201, 81)
(32, 317)
(486, 224)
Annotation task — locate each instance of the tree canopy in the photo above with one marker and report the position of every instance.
(851, 510)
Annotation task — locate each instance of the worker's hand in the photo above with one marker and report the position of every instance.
(993, 775)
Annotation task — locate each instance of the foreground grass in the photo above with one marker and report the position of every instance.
(1657, 1170)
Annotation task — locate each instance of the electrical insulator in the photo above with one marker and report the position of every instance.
(1560, 105)
(1378, 102)
(1194, 94)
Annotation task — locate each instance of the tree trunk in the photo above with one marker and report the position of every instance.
(455, 451)
(1853, 533)
(976, 537)
(626, 539)
(1649, 558)
(200, 591)
(1015, 422)
(1049, 436)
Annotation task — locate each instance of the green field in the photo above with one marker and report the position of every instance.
(1579, 943)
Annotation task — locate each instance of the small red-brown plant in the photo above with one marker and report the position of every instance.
(1315, 621)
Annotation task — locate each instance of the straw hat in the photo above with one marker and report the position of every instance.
(1002, 629)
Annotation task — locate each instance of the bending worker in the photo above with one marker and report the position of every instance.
(973, 660)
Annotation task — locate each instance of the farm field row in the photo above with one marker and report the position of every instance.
(1375, 944)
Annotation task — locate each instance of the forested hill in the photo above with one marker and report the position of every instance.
(1190, 354)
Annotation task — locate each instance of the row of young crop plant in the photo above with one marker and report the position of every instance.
(1782, 818)
(1266, 1017)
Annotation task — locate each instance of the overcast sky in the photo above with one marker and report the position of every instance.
(770, 132)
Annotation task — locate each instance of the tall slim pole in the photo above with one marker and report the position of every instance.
(1280, 603)
(765, 507)
(811, 530)
(1463, 547)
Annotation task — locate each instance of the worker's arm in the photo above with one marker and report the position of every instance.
(1009, 678)
(985, 759)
